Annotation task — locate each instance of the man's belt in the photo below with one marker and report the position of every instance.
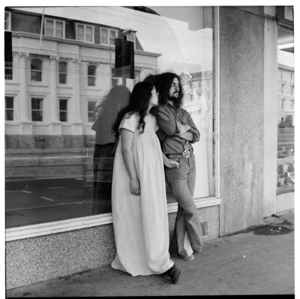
(185, 154)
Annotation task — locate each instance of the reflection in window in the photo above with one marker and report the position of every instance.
(55, 165)
(7, 22)
(85, 33)
(107, 36)
(8, 70)
(91, 111)
(9, 108)
(54, 28)
(37, 109)
(92, 75)
(63, 110)
(36, 70)
(285, 137)
(63, 72)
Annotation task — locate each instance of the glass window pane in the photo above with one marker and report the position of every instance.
(62, 67)
(50, 24)
(91, 81)
(62, 79)
(6, 16)
(59, 33)
(9, 115)
(91, 70)
(91, 117)
(104, 32)
(112, 33)
(63, 104)
(49, 32)
(176, 38)
(36, 76)
(88, 38)
(36, 64)
(8, 74)
(9, 102)
(91, 106)
(80, 28)
(285, 125)
(104, 40)
(59, 25)
(63, 116)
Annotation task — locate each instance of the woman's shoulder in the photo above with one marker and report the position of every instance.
(133, 116)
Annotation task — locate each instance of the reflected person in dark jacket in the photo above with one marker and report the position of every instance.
(105, 144)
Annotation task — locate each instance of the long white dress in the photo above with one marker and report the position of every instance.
(141, 222)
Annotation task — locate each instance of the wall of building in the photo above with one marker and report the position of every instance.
(241, 117)
(270, 112)
(36, 259)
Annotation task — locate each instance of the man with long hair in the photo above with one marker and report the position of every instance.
(176, 133)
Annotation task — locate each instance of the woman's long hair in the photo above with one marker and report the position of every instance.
(163, 84)
(138, 103)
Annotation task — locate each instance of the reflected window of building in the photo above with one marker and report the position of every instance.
(107, 36)
(91, 110)
(54, 28)
(37, 109)
(285, 124)
(92, 75)
(8, 70)
(36, 70)
(63, 66)
(9, 108)
(7, 20)
(63, 110)
(85, 33)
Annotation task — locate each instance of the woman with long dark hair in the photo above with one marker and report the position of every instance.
(139, 206)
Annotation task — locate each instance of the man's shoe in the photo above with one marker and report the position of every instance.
(173, 273)
(188, 258)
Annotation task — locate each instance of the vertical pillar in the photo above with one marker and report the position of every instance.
(55, 125)
(270, 113)
(25, 126)
(77, 122)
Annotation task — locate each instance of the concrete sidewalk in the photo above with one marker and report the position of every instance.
(255, 261)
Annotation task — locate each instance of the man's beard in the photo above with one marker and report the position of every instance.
(174, 99)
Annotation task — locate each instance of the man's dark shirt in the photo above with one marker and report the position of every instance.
(170, 120)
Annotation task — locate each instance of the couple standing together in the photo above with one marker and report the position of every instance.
(155, 136)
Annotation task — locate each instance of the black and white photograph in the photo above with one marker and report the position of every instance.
(149, 150)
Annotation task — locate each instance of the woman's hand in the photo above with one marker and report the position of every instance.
(171, 163)
(135, 186)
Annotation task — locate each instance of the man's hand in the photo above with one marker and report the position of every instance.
(195, 134)
(171, 163)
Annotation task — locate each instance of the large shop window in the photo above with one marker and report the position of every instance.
(60, 167)
(285, 123)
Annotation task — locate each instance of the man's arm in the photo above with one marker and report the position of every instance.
(193, 130)
(167, 124)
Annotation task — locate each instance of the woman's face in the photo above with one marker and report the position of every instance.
(154, 98)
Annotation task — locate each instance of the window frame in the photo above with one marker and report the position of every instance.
(92, 76)
(61, 226)
(109, 38)
(9, 68)
(84, 33)
(64, 111)
(63, 73)
(37, 110)
(54, 27)
(9, 21)
(10, 109)
(31, 70)
(90, 100)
